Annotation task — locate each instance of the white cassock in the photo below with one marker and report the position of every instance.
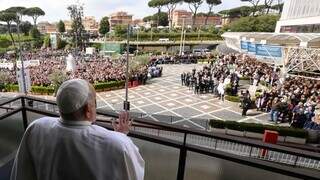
(52, 149)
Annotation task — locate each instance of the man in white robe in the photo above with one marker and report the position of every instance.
(71, 148)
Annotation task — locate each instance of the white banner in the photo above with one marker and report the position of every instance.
(27, 81)
(31, 63)
(6, 65)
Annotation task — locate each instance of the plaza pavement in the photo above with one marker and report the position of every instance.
(164, 99)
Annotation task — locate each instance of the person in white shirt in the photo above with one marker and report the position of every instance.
(72, 148)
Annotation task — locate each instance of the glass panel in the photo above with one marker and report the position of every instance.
(11, 132)
(33, 116)
(209, 168)
(161, 162)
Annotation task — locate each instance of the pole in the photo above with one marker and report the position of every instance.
(20, 57)
(137, 41)
(182, 30)
(126, 104)
(184, 40)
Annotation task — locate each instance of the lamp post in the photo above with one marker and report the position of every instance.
(20, 56)
(126, 103)
(182, 35)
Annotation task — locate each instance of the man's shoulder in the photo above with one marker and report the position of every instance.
(44, 121)
(111, 137)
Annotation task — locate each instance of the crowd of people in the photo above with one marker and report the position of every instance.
(93, 68)
(293, 99)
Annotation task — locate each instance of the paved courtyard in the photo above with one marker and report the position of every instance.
(165, 99)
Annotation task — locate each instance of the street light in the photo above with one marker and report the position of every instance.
(126, 103)
(20, 56)
(182, 34)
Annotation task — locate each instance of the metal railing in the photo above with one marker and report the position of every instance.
(280, 159)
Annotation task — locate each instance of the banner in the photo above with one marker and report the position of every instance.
(6, 66)
(28, 63)
(251, 47)
(27, 82)
(268, 50)
(244, 45)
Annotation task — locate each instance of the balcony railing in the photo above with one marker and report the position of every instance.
(286, 161)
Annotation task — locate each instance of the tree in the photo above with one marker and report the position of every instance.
(104, 26)
(268, 4)
(77, 28)
(254, 3)
(278, 6)
(61, 27)
(57, 77)
(195, 4)
(34, 33)
(265, 23)
(163, 18)
(34, 13)
(211, 3)
(157, 4)
(8, 18)
(120, 30)
(171, 6)
(25, 27)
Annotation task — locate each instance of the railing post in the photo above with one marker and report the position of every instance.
(182, 159)
(24, 113)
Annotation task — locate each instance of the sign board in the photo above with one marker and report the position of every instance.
(244, 45)
(27, 81)
(251, 47)
(71, 64)
(90, 50)
(112, 47)
(268, 50)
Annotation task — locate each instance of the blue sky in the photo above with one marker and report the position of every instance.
(56, 9)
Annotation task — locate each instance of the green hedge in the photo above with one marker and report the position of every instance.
(50, 90)
(232, 98)
(245, 78)
(109, 85)
(258, 128)
(42, 89)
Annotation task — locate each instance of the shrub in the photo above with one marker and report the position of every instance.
(233, 125)
(245, 78)
(233, 98)
(252, 127)
(108, 85)
(258, 128)
(217, 124)
(12, 87)
(287, 131)
(42, 90)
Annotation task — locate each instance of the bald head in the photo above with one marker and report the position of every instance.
(75, 98)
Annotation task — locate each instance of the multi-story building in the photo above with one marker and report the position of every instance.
(45, 27)
(300, 16)
(90, 24)
(182, 15)
(120, 18)
(67, 25)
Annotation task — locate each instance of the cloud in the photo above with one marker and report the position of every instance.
(57, 9)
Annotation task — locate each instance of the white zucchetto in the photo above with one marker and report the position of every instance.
(72, 95)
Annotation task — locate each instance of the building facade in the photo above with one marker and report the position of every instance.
(90, 24)
(120, 18)
(182, 15)
(300, 16)
(46, 28)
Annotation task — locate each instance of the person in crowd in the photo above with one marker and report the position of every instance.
(246, 103)
(72, 147)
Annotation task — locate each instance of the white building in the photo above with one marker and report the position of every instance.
(300, 16)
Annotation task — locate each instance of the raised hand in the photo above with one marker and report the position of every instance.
(123, 124)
